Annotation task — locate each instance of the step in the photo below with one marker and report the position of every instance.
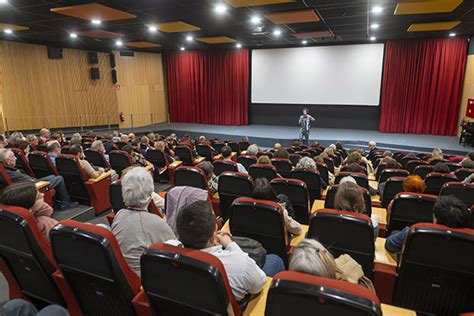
(82, 213)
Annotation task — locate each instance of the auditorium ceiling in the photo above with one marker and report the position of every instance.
(197, 24)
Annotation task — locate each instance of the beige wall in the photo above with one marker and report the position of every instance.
(468, 90)
(36, 91)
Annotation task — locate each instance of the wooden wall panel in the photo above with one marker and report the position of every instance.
(141, 90)
(54, 93)
(2, 125)
(468, 90)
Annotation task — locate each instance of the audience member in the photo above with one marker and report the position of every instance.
(197, 229)
(54, 150)
(414, 184)
(320, 159)
(20, 307)
(469, 158)
(134, 227)
(311, 257)
(308, 163)
(276, 147)
(264, 191)
(137, 158)
(27, 196)
(437, 154)
(99, 147)
(91, 172)
(390, 164)
(264, 160)
(208, 169)
(161, 145)
(253, 150)
(281, 153)
(8, 159)
(45, 134)
(448, 211)
(349, 197)
(372, 149)
(226, 152)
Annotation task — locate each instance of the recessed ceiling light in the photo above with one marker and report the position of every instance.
(8, 31)
(256, 20)
(3, 1)
(277, 32)
(377, 9)
(73, 35)
(220, 8)
(374, 26)
(189, 38)
(182, 48)
(152, 29)
(452, 34)
(373, 38)
(96, 21)
(118, 43)
(304, 42)
(238, 45)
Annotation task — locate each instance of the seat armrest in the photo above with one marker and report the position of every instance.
(243, 153)
(175, 164)
(41, 184)
(198, 160)
(141, 304)
(103, 176)
(217, 157)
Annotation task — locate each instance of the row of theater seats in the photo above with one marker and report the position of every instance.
(435, 274)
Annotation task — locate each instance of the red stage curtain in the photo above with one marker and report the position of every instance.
(209, 87)
(422, 86)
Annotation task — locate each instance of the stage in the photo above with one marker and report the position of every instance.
(267, 135)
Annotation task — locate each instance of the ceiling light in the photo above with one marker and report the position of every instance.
(73, 35)
(8, 31)
(182, 48)
(238, 45)
(152, 29)
(96, 21)
(220, 8)
(304, 42)
(452, 34)
(277, 32)
(256, 20)
(377, 9)
(118, 43)
(374, 26)
(189, 38)
(373, 38)
(3, 1)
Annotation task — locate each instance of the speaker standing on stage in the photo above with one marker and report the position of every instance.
(305, 126)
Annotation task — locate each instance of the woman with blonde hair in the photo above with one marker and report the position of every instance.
(264, 160)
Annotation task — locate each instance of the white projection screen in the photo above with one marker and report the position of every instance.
(334, 75)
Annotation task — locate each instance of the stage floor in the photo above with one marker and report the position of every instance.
(267, 135)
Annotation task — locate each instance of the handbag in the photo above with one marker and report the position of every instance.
(253, 248)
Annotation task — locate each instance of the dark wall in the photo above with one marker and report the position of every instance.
(328, 116)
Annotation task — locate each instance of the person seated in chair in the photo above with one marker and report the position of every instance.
(441, 168)
(20, 307)
(308, 163)
(137, 158)
(99, 147)
(390, 164)
(197, 229)
(281, 153)
(227, 156)
(469, 158)
(311, 257)
(27, 196)
(54, 150)
(33, 141)
(414, 184)
(253, 150)
(45, 135)
(208, 169)
(349, 197)
(134, 227)
(264, 191)
(91, 172)
(447, 210)
(372, 149)
(161, 145)
(8, 159)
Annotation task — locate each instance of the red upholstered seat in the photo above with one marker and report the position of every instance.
(332, 228)
(387, 173)
(297, 192)
(247, 161)
(262, 171)
(434, 182)
(359, 177)
(22, 162)
(436, 270)
(80, 187)
(190, 176)
(91, 262)
(224, 165)
(96, 158)
(231, 186)
(41, 164)
(119, 160)
(283, 166)
(463, 191)
(312, 178)
(329, 202)
(295, 293)
(393, 186)
(25, 258)
(166, 275)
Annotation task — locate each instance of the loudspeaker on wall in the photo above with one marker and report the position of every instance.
(95, 73)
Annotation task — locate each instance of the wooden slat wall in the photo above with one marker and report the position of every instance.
(141, 90)
(39, 92)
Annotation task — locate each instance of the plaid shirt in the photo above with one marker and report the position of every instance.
(305, 122)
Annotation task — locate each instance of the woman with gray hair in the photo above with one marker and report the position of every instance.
(306, 163)
(135, 228)
(253, 150)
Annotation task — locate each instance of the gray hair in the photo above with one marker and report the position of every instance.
(347, 179)
(372, 143)
(76, 136)
(306, 163)
(137, 187)
(253, 150)
(96, 144)
(312, 258)
(31, 137)
(4, 154)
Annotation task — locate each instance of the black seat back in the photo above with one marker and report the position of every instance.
(393, 186)
(262, 221)
(70, 170)
(463, 191)
(331, 228)
(204, 151)
(323, 171)
(330, 201)
(28, 256)
(184, 154)
(312, 179)
(103, 286)
(244, 145)
(119, 160)
(283, 166)
(223, 165)
(295, 158)
(436, 271)
(407, 209)
(96, 158)
(235, 147)
(423, 170)
(190, 176)
(157, 158)
(435, 181)
(247, 161)
(262, 171)
(22, 162)
(359, 177)
(387, 173)
(297, 193)
(41, 164)
(463, 173)
(231, 186)
(115, 194)
(412, 164)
